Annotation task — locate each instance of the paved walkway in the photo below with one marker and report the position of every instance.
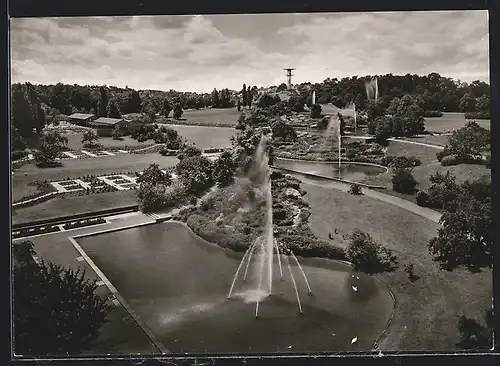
(403, 141)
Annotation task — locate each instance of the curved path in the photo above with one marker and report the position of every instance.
(401, 140)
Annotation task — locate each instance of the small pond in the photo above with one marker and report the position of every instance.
(355, 172)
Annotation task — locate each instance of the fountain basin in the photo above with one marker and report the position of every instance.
(177, 284)
(349, 171)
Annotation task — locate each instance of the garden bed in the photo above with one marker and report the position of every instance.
(35, 231)
(84, 223)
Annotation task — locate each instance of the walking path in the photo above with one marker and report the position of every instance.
(401, 140)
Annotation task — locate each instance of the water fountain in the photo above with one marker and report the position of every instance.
(333, 129)
(265, 248)
(371, 88)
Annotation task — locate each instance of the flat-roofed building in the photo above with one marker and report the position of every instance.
(81, 119)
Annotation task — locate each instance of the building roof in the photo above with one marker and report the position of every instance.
(81, 116)
(107, 121)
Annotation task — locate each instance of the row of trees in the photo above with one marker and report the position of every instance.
(437, 92)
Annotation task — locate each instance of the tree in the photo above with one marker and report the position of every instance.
(103, 102)
(132, 102)
(17, 141)
(188, 151)
(239, 105)
(282, 87)
(296, 104)
(151, 196)
(467, 103)
(178, 111)
(283, 131)
(224, 169)
(483, 103)
(154, 175)
(215, 99)
(469, 142)
(466, 237)
(403, 181)
(195, 173)
(244, 95)
(316, 111)
(50, 146)
(166, 107)
(56, 310)
(474, 335)
(117, 133)
(90, 138)
(368, 256)
(112, 110)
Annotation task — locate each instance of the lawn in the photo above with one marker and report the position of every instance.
(226, 116)
(440, 140)
(122, 163)
(75, 142)
(427, 310)
(64, 206)
(121, 334)
(450, 121)
(206, 137)
(426, 154)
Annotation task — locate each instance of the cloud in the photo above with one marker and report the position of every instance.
(202, 52)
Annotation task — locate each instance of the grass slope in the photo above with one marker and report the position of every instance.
(64, 206)
(450, 121)
(427, 310)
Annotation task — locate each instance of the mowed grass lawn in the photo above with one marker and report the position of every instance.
(202, 136)
(450, 121)
(122, 163)
(226, 116)
(427, 310)
(73, 205)
(440, 140)
(75, 142)
(206, 137)
(426, 154)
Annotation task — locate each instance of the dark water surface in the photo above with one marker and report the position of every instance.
(178, 286)
(351, 172)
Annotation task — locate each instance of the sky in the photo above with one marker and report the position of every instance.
(199, 53)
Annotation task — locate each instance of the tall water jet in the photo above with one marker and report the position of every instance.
(278, 254)
(314, 97)
(371, 88)
(265, 247)
(332, 129)
(355, 117)
(238, 271)
(252, 247)
(294, 285)
(303, 273)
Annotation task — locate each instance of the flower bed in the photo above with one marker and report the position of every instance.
(83, 223)
(130, 185)
(121, 181)
(35, 231)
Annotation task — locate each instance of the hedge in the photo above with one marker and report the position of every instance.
(83, 223)
(35, 231)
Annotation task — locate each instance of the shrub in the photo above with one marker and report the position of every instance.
(193, 201)
(433, 114)
(19, 154)
(487, 161)
(450, 160)
(355, 189)
(403, 181)
(422, 198)
(441, 154)
(369, 256)
(308, 246)
(404, 162)
(316, 111)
